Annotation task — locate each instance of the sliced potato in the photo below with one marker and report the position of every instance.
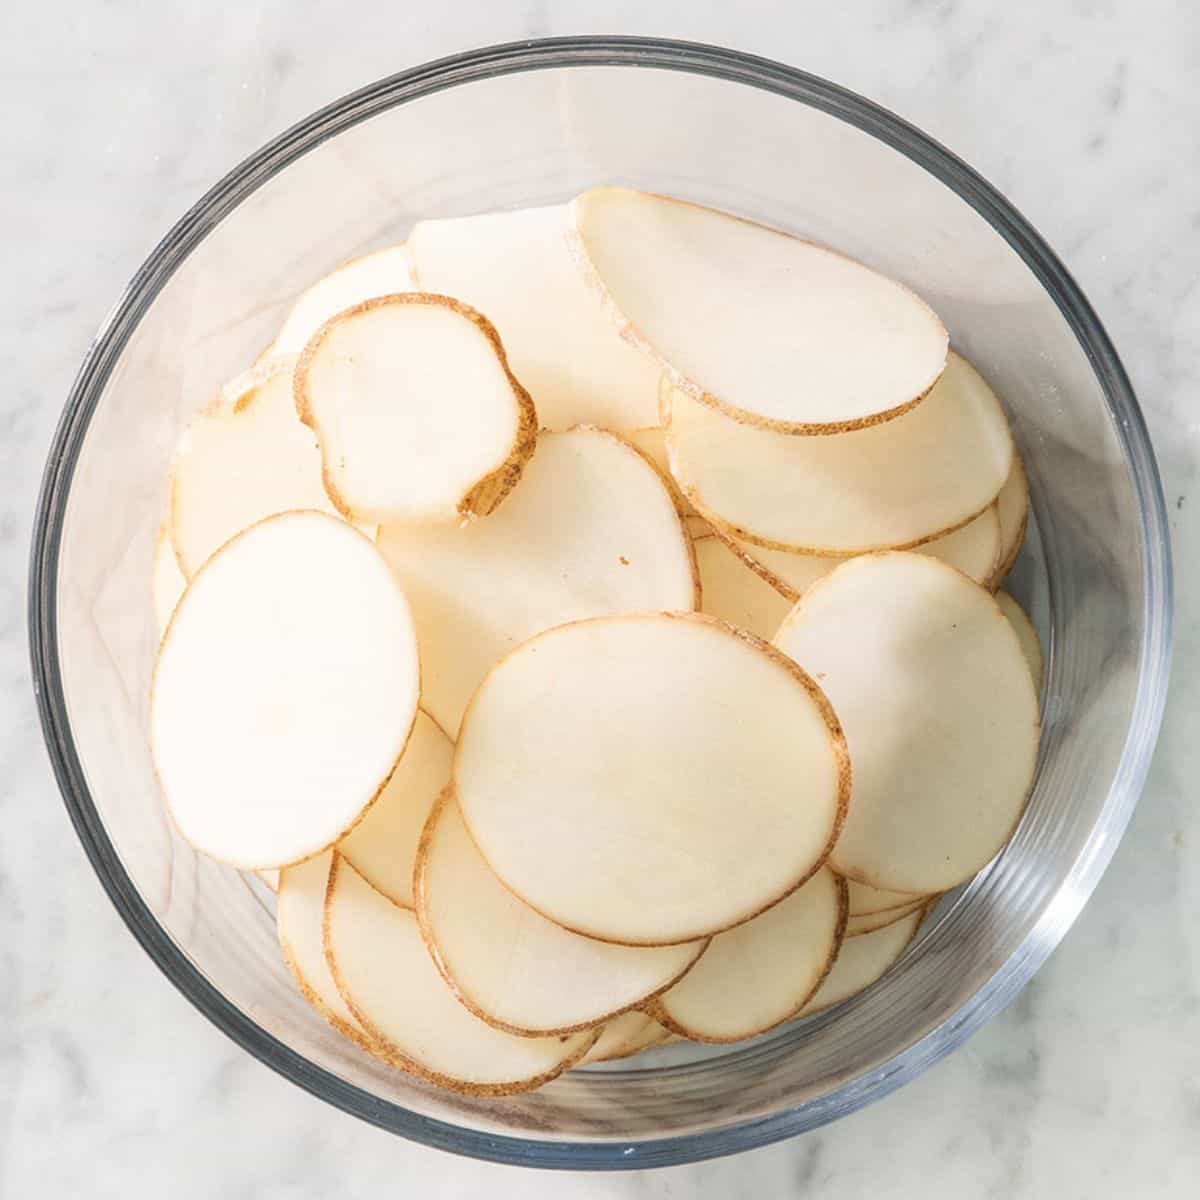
(652, 442)
(283, 692)
(900, 483)
(591, 531)
(623, 1036)
(863, 960)
(865, 900)
(246, 458)
(973, 549)
(299, 917)
(382, 847)
(416, 412)
(1027, 635)
(390, 984)
(167, 580)
(869, 922)
(756, 976)
(730, 590)
(775, 332)
(1012, 506)
(270, 877)
(515, 268)
(382, 273)
(650, 779)
(509, 965)
(929, 682)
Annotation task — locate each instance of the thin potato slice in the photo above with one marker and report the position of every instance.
(383, 273)
(509, 965)
(652, 442)
(299, 919)
(270, 877)
(776, 332)
(592, 531)
(863, 960)
(628, 1034)
(415, 409)
(167, 582)
(939, 710)
(760, 974)
(869, 922)
(865, 900)
(730, 590)
(515, 268)
(1027, 635)
(382, 847)
(900, 483)
(283, 692)
(1013, 509)
(973, 549)
(390, 984)
(650, 779)
(244, 459)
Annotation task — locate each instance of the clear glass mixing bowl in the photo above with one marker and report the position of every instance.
(526, 124)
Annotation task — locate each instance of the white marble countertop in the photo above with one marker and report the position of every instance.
(117, 116)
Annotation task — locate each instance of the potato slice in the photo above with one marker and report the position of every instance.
(416, 412)
(652, 442)
(382, 273)
(1027, 635)
(973, 549)
(756, 976)
(167, 580)
(650, 779)
(390, 984)
(775, 332)
(245, 458)
(863, 960)
(1012, 506)
(283, 692)
(628, 1034)
(591, 531)
(901, 483)
(270, 877)
(730, 590)
(866, 923)
(865, 900)
(509, 965)
(515, 268)
(299, 917)
(929, 682)
(382, 847)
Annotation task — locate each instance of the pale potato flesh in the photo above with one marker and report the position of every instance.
(865, 923)
(650, 779)
(1012, 505)
(732, 591)
(623, 1036)
(167, 581)
(865, 899)
(1027, 635)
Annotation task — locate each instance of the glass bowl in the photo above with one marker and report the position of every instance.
(527, 124)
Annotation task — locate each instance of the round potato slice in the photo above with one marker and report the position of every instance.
(756, 976)
(299, 918)
(382, 273)
(730, 590)
(973, 549)
(390, 984)
(628, 1034)
(416, 412)
(650, 779)
(1012, 507)
(283, 692)
(869, 922)
(1027, 635)
(765, 327)
(939, 711)
(591, 531)
(898, 484)
(382, 847)
(167, 582)
(515, 969)
(243, 459)
(515, 267)
(865, 900)
(652, 442)
(863, 960)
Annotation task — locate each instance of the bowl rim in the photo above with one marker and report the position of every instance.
(511, 58)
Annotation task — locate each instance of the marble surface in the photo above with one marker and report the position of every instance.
(119, 114)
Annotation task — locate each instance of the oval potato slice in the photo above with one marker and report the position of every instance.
(733, 592)
(416, 412)
(382, 847)
(868, 922)
(767, 328)
(652, 442)
(508, 964)
(515, 268)
(167, 581)
(650, 779)
(1027, 635)
(897, 484)
(246, 458)
(390, 984)
(1012, 506)
(865, 900)
(939, 711)
(591, 531)
(973, 549)
(628, 1034)
(760, 974)
(283, 692)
